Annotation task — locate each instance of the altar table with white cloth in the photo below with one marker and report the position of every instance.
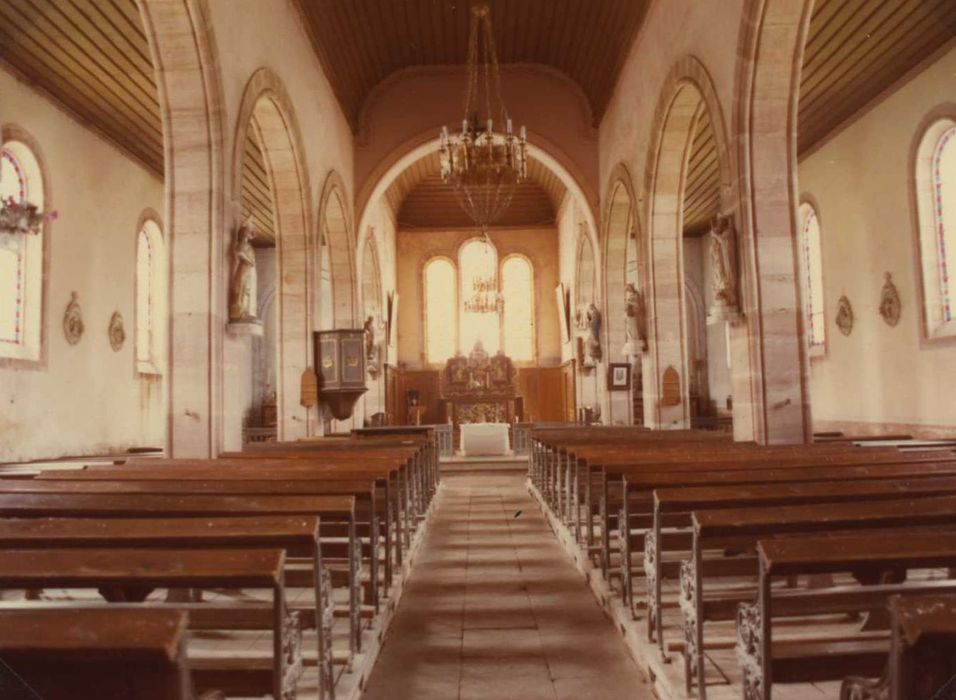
(484, 439)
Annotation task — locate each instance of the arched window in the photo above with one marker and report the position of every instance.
(936, 200)
(478, 263)
(150, 298)
(21, 258)
(811, 268)
(440, 306)
(517, 288)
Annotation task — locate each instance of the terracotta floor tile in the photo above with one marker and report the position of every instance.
(494, 609)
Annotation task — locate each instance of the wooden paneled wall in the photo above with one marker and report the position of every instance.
(548, 393)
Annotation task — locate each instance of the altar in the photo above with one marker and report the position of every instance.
(479, 439)
(480, 394)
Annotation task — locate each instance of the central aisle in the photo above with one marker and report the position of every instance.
(494, 609)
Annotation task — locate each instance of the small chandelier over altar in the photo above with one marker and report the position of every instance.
(483, 166)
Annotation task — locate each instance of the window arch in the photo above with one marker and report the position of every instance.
(936, 195)
(517, 288)
(478, 265)
(811, 268)
(441, 305)
(21, 258)
(150, 297)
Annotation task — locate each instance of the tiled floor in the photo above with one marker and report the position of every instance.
(494, 610)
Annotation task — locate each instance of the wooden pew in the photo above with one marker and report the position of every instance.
(922, 661)
(94, 654)
(136, 571)
(759, 489)
(297, 536)
(139, 505)
(210, 478)
(742, 528)
(764, 663)
(748, 459)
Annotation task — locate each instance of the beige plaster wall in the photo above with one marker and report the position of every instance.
(83, 398)
(878, 376)
(415, 248)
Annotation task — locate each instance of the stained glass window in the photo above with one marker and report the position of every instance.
(440, 307)
(812, 272)
(21, 258)
(517, 288)
(944, 215)
(12, 255)
(150, 296)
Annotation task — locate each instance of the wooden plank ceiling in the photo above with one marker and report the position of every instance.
(257, 198)
(422, 201)
(702, 189)
(856, 49)
(361, 42)
(92, 56)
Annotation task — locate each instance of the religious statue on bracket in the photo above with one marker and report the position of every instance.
(635, 330)
(592, 340)
(724, 276)
(373, 348)
(242, 283)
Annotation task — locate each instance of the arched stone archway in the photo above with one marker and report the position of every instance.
(772, 362)
(336, 233)
(267, 108)
(687, 93)
(185, 59)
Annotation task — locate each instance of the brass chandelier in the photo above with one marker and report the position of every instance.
(483, 166)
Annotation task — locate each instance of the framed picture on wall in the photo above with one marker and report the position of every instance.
(618, 377)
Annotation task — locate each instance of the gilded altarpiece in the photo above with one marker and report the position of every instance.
(480, 388)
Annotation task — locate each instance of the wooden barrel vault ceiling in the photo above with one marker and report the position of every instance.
(257, 198)
(362, 42)
(93, 58)
(421, 201)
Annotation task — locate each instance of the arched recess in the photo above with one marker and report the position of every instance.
(372, 307)
(621, 242)
(770, 371)
(336, 233)
(688, 92)
(267, 108)
(186, 62)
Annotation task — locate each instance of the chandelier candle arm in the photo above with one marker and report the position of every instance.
(483, 167)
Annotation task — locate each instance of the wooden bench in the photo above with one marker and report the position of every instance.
(94, 654)
(130, 573)
(297, 536)
(922, 662)
(741, 529)
(843, 484)
(763, 662)
(139, 505)
(205, 477)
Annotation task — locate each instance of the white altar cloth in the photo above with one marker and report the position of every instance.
(484, 439)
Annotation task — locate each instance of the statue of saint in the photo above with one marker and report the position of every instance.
(592, 343)
(636, 329)
(723, 249)
(371, 347)
(242, 287)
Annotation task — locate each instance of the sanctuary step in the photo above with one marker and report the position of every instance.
(459, 465)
